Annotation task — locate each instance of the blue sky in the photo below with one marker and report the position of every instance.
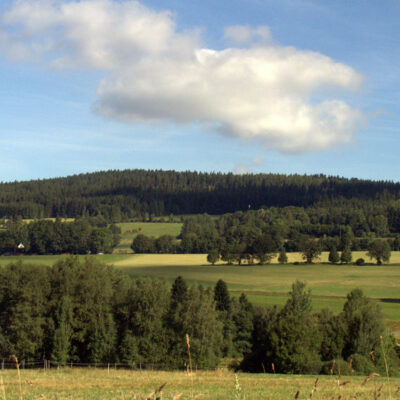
(286, 86)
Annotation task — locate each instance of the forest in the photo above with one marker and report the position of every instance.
(142, 195)
(87, 312)
(82, 236)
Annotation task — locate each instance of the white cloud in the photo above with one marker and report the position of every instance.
(243, 34)
(262, 92)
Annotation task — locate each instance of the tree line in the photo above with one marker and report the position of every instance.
(258, 236)
(365, 205)
(88, 312)
(83, 236)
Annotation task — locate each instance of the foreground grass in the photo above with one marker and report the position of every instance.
(100, 384)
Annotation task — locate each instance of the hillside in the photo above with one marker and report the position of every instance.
(120, 195)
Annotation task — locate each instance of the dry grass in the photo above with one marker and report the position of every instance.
(201, 259)
(99, 384)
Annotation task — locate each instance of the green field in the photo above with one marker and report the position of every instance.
(129, 230)
(267, 284)
(102, 384)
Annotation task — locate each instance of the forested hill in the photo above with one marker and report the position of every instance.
(136, 193)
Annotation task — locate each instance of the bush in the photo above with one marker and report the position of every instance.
(360, 261)
(336, 367)
(361, 364)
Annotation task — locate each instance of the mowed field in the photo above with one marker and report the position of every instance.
(102, 384)
(129, 230)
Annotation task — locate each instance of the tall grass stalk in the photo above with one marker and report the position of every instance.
(190, 365)
(3, 389)
(15, 359)
(386, 368)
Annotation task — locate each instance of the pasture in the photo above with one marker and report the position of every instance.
(102, 384)
(269, 284)
(265, 284)
(129, 230)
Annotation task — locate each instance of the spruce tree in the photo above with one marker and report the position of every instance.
(221, 296)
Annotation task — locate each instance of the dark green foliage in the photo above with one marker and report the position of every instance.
(119, 195)
(282, 258)
(213, 256)
(380, 250)
(89, 312)
(178, 291)
(310, 249)
(338, 367)
(363, 324)
(346, 256)
(333, 331)
(143, 244)
(42, 237)
(221, 296)
(360, 261)
(242, 317)
(386, 355)
(361, 364)
(165, 244)
(333, 256)
(289, 339)
(23, 310)
(264, 247)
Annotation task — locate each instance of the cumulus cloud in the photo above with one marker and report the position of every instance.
(155, 73)
(243, 34)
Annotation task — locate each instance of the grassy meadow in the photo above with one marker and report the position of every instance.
(266, 284)
(101, 384)
(269, 284)
(129, 230)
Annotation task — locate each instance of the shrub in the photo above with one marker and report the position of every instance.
(360, 261)
(361, 364)
(336, 367)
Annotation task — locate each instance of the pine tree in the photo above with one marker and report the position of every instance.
(221, 296)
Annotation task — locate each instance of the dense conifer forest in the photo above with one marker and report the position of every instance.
(122, 195)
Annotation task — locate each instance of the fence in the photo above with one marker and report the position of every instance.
(50, 364)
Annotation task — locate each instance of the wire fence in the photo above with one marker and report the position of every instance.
(51, 364)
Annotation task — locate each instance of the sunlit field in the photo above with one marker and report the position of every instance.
(265, 284)
(269, 284)
(101, 384)
(129, 230)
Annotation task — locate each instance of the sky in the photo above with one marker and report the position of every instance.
(246, 86)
